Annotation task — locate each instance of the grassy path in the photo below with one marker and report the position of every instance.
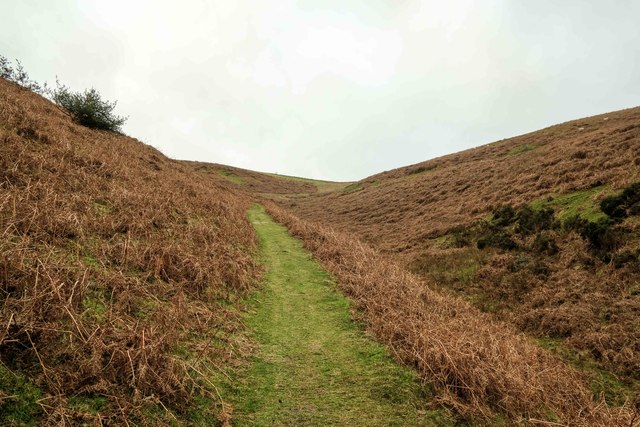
(314, 366)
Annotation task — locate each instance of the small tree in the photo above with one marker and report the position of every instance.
(19, 76)
(88, 108)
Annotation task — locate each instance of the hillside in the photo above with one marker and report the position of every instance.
(516, 228)
(119, 272)
(267, 185)
(127, 284)
(399, 210)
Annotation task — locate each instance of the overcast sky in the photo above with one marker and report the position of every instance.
(333, 89)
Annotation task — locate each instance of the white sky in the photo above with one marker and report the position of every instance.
(333, 89)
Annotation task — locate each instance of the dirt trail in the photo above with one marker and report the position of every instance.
(314, 365)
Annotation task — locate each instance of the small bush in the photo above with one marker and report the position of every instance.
(504, 215)
(88, 108)
(532, 221)
(623, 205)
(19, 76)
(416, 170)
(602, 237)
(625, 257)
(461, 236)
(497, 239)
(421, 169)
(574, 223)
(544, 244)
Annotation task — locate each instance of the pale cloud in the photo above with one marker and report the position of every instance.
(332, 89)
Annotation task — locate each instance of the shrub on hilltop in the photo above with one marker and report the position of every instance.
(88, 108)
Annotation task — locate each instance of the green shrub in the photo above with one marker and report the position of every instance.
(544, 244)
(461, 236)
(19, 76)
(497, 239)
(602, 237)
(625, 257)
(88, 108)
(504, 215)
(623, 205)
(532, 221)
(574, 223)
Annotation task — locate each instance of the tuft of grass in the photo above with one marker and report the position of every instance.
(145, 308)
(352, 188)
(584, 203)
(90, 260)
(522, 149)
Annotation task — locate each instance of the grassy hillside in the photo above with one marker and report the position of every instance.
(269, 185)
(401, 209)
(123, 274)
(118, 273)
(516, 228)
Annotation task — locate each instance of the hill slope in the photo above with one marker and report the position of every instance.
(273, 186)
(117, 267)
(499, 225)
(398, 210)
(122, 273)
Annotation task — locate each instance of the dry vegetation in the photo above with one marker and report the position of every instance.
(116, 272)
(402, 209)
(121, 271)
(480, 368)
(576, 300)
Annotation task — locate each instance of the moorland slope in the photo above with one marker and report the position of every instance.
(123, 273)
(516, 227)
(119, 270)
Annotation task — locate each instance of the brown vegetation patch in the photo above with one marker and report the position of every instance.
(114, 262)
(480, 368)
(550, 283)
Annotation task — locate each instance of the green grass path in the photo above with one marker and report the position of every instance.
(314, 365)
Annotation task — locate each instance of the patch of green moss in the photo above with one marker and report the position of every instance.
(89, 404)
(145, 308)
(231, 177)
(603, 383)
(352, 188)
(90, 261)
(102, 207)
(465, 274)
(583, 203)
(522, 149)
(94, 303)
(18, 399)
(421, 170)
